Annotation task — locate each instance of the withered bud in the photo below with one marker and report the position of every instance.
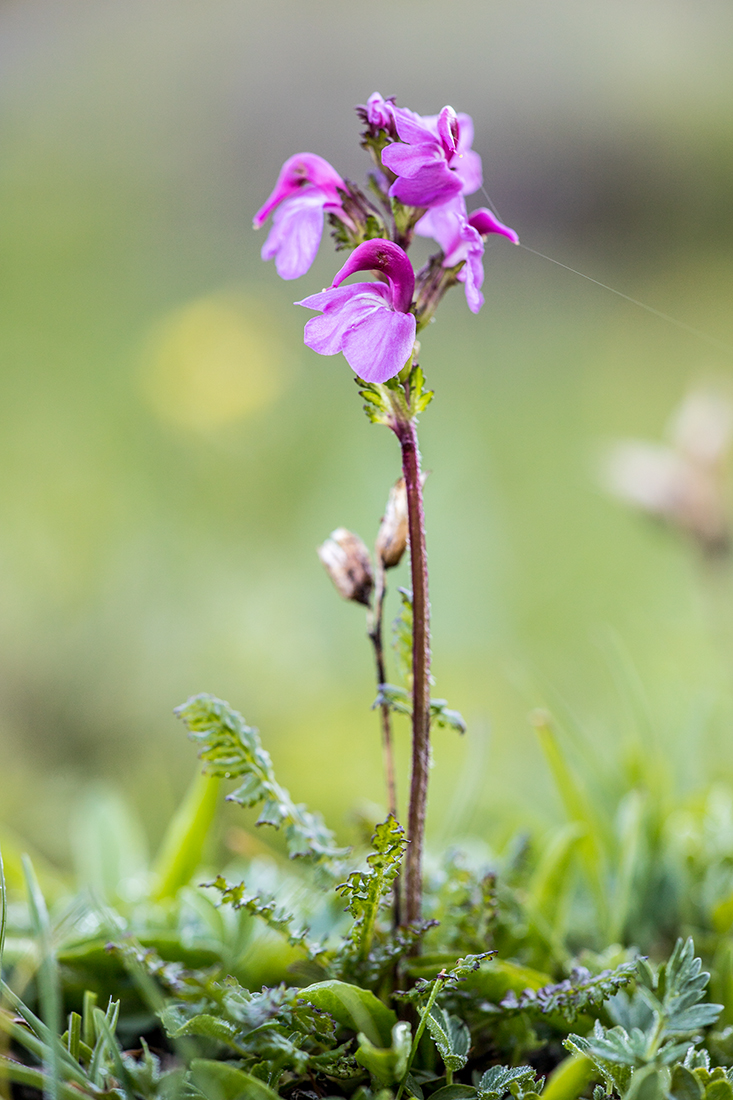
(664, 483)
(393, 530)
(348, 564)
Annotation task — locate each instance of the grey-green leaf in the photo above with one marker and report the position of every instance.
(353, 1007)
(451, 1037)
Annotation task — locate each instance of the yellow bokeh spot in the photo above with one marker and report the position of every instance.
(213, 362)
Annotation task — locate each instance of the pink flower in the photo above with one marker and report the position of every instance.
(369, 322)
(461, 237)
(379, 112)
(307, 187)
(433, 160)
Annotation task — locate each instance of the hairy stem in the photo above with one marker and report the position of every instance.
(376, 617)
(407, 436)
(375, 620)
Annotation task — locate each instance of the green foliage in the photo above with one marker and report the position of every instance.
(642, 1054)
(387, 1065)
(269, 912)
(400, 702)
(354, 1008)
(451, 1037)
(254, 1003)
(366, 890)
(231, 749)
(500, 1080)
(397, 401)
(582, 990)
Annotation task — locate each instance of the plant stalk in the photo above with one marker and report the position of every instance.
(376, 617)
(407, 435)
(375, 620)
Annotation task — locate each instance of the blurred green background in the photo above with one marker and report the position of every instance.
(172, 454)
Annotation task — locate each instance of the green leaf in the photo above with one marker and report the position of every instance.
(615, 1074)
(719, 1090)
(180, 853)
(354, 1008)
(497, 1081)
(444, 718)
(568, 1080)
(451, 1037)
(462, 969)
(388, 1064)
(675, 991)
(385, 402)
(420, 398)
(684, 1085)
(365, 890)
(210, 1027)
(275, 917)
(582, 990)
(231, 749)
(222, 1081)
(646, 1084)
(454, 1092)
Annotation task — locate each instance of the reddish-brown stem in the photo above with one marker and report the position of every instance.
(407, 435)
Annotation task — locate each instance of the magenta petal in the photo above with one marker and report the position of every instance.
(296, 234)
(411, 127)
(297, 172)
(435, 185)
(409, 160)
(388, 258)
(379, 346)
(444, 224)
(448, 130)
(336, 297)
(344, 307)
(467, 167)
(465, 131)
(485, 222)
(473, 277)
(379, 111)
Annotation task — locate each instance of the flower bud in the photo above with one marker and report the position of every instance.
(393, 530)
(348, 564)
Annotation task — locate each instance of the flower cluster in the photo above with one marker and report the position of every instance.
(424, 168)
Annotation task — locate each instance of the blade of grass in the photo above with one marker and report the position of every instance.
(3, 910)
(48, 979)
(106, 1033)
(88, 1033)
(110, 1017)
(36, 1078)
(576, 806)
(74, 1035)
(183, 844)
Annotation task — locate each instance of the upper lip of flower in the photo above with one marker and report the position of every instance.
(300, 171)
(390, 261)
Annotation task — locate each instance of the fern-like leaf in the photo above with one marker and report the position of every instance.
(582, 990)
(365, 890)
(268, 911)
(232, 750)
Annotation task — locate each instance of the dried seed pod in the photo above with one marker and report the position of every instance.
(348, 564)
(393, 530)
(681, 483)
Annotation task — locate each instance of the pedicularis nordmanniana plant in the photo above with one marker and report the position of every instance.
(424, 168)
(489, 982)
